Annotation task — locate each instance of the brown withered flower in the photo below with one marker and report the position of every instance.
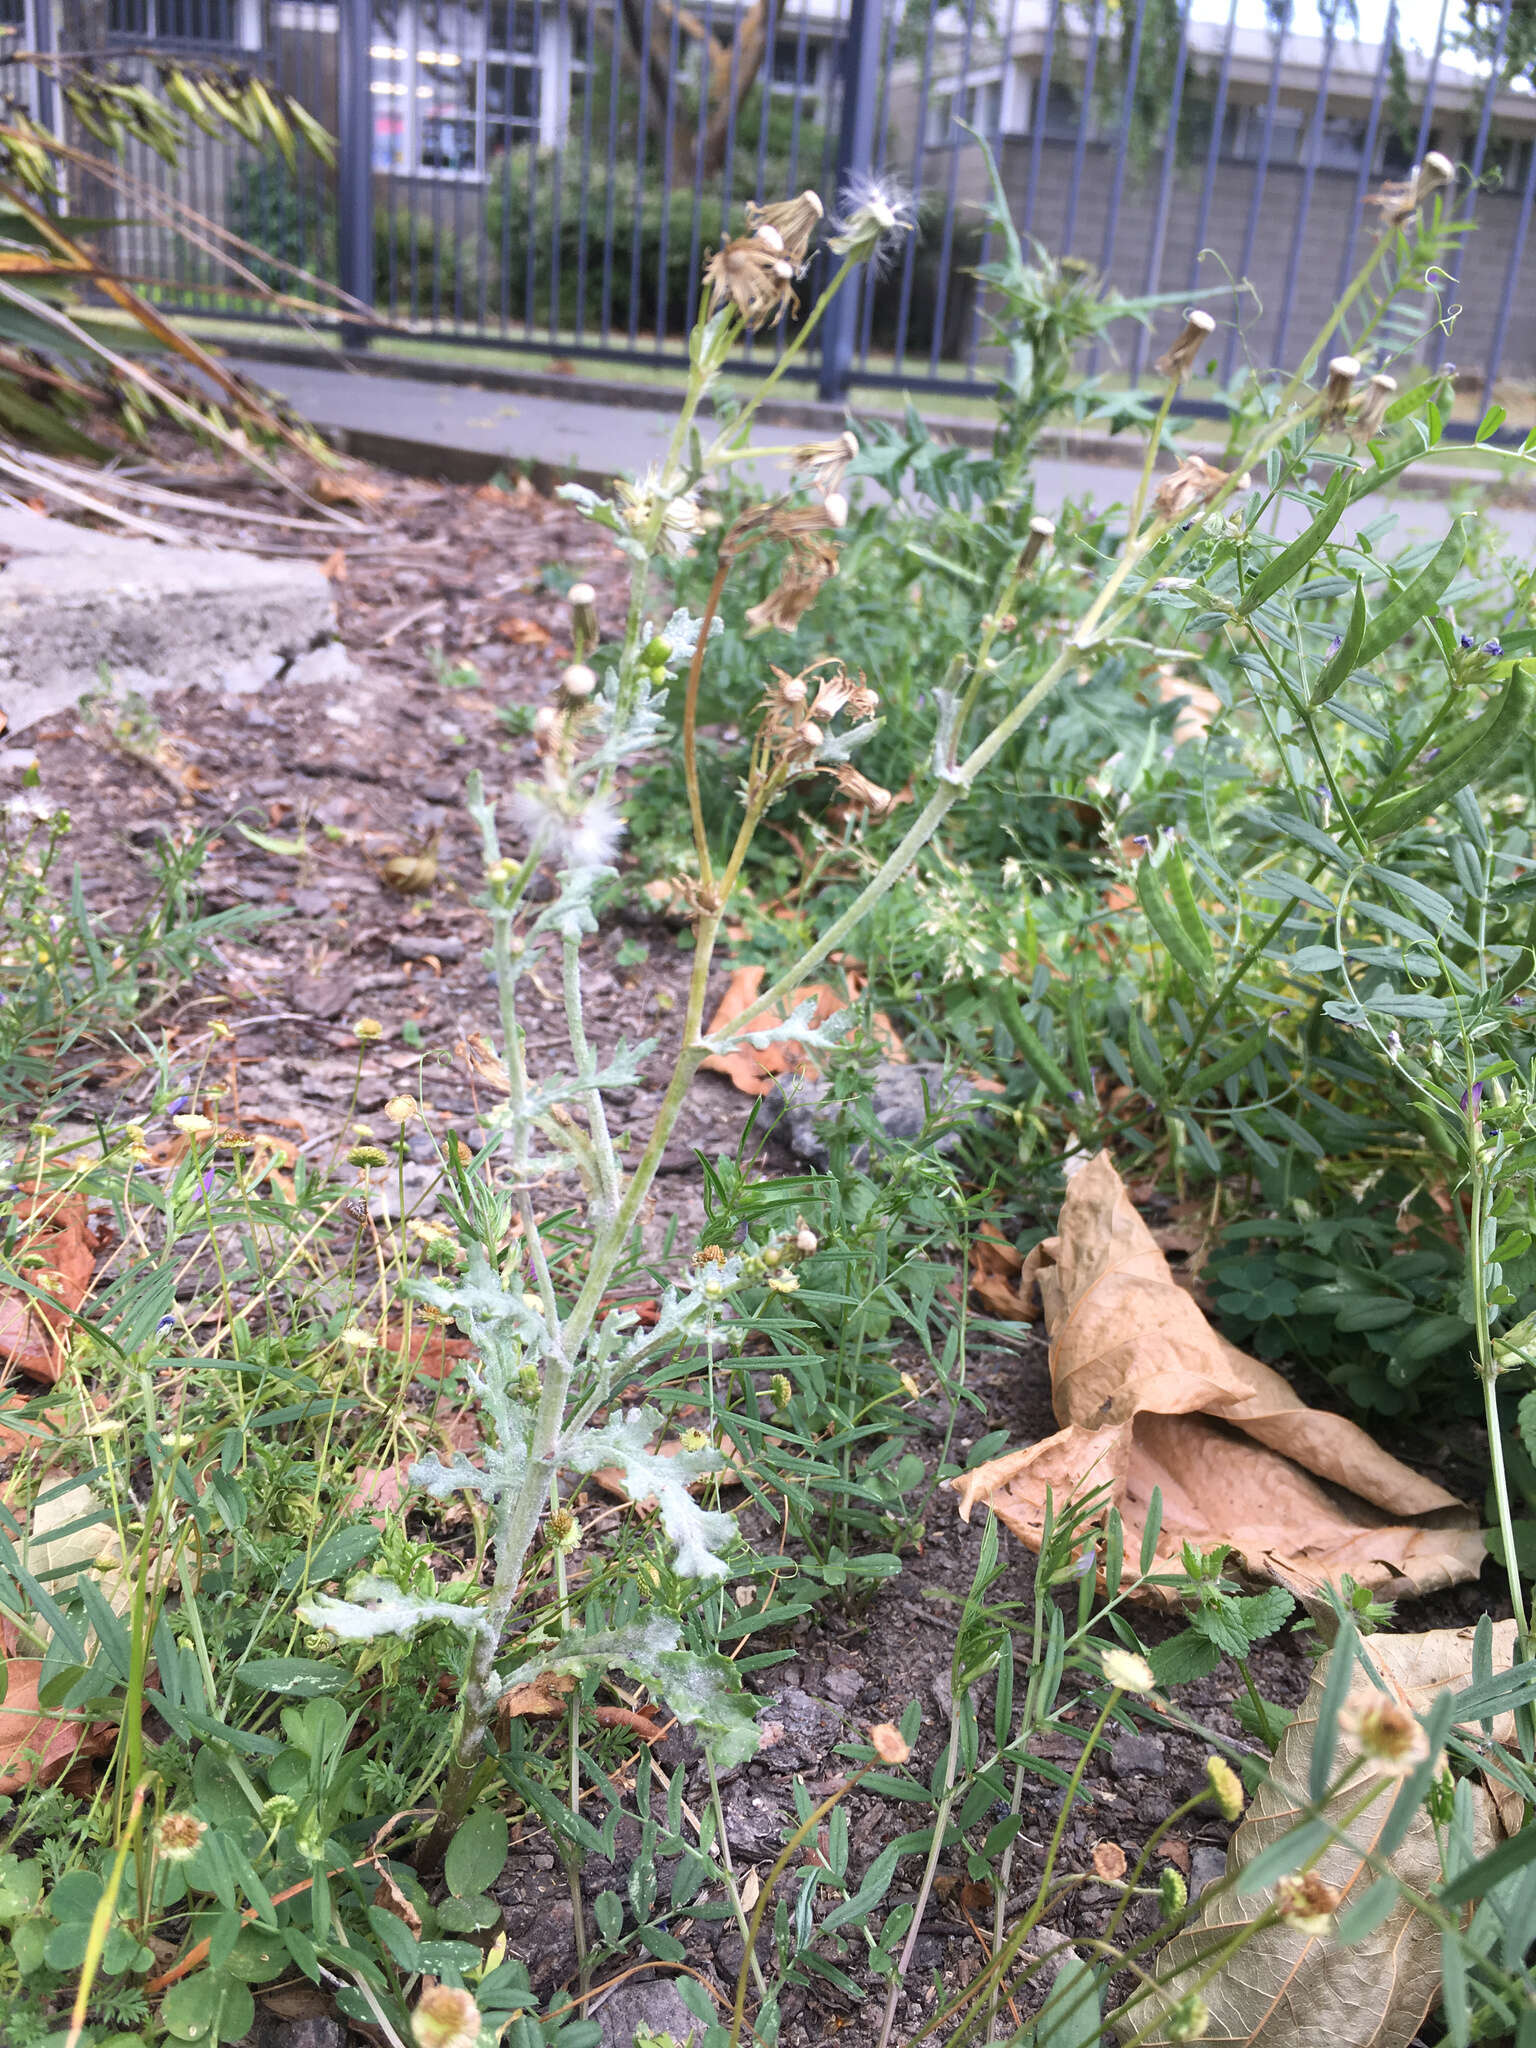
(826, 462)
(861, 791)
(794, 221)
(811, 561)
(1370, 412)
(1177, 362)
(755, 278)
(1307, 1903)
(1193, 483)
(1397, 203)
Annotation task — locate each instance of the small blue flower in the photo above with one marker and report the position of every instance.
(1468, 642)
(1335, 643)
(1475, 1101)
(165, 1323)
(175, 1108)
(1493, 649)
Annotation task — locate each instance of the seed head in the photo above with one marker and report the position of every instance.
(795, 222)
(1340, 392)
(805, 1241)
(1042, 532)
(1126, 1671)
(367, 1029)
(1226, 1787)
(1177, 362)
(400, 1109)
(755, 278)
(876, 215)
(578, 681)
(859, 790)
(826, 462)
(1172, 1893)
(781, 1392)
(367, 1156)
(1385, 1731)
(836, 507)
(1307, 1903)
(445, 2018)
(1194, 482)
(178, 1835)
(581, 594)
(1188, 2019)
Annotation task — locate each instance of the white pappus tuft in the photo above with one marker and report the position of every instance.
(873, 216)
(576, 833)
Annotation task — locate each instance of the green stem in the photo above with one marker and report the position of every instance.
(930, 1871)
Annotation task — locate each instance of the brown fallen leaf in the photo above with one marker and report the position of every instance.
(1109, 1861)
(412, 874)
(379, 1491)
(432, 1351)
(34, 1334)
(542, 1695)
(390, 1899)
(1150, 1396)
(1197, 704)
(346, 487)
(1289, 1988)
(751, 1070)
(37, 1745)
(997, 1279)
(523, 632)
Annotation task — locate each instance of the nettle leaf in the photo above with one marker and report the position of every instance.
(701, 1689)
(382, 1609)
(697, 1532)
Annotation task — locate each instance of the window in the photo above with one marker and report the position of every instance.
(454, 84)
(210, 24)
(1063, 112)
(978, 103)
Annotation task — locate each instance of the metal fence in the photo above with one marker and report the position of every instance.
(550, 175)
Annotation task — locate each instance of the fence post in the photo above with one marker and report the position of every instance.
(354, 162)
(855, 158)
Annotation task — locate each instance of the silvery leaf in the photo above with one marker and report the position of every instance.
(838, 746)
(696, 1532)
(382, 1609)
(501, 1473)
(702, 1690)
(798, 1026)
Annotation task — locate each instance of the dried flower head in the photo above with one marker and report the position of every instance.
(1307, 1903)
(1370, 412)
(859, 790)
(445, 2018)
(811, 562)
(826, 462)
(835, 505)
(1226, 1787)
(1339, 393)
(1194, 482)
(581, 594)
(367, 1029)
(1177, 362)
(1126, 1671)
(805, 1241)
(177, 1836)
(400, 1109)
(1387, 1734)
(876, 214)
(1397, 203)
(795, 221)
(889, 1744)
(754, 277)
(1042, 532)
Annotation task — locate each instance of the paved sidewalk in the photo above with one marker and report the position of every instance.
(459, 430)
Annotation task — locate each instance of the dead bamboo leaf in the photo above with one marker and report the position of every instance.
(1291, 1988)
(752, 1070)
(1149, 1395)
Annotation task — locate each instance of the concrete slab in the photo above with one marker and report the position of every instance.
(76, 602)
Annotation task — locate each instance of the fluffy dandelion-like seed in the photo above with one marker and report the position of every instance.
(177, 1836)
(445, 2018)
(1226, 1787)
(1126, 1671)
(1176, 362)
(1307, 1903)
(754, 277)
(1385, 1732)
(576, 833)
(876, 214)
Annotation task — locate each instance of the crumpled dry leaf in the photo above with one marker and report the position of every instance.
(1288, 1989)
(752, 1069)
(998, 1280)
(523, 632)
(36, 1744)
(542, 1695)
(390, 1899)
(1151, 1396)
(34, 1335)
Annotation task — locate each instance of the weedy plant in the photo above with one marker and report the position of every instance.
(315, 1737)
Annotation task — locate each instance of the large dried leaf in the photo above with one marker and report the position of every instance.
(1151, 1396)
(37, 1744)
(753, 1069)
(34, 1332)
(1287, 1989)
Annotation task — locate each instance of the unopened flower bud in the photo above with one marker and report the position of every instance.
(781, 1392)
(1172, 1894)
(1226, 1787)
(1180, 359)
(656, 653)
(583, 603)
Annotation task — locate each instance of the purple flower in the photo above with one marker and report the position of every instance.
(1475, 1102)
(1493, 649)
(1335, 643)
(175, 1108)
(205, 1181)
(1467, 643)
